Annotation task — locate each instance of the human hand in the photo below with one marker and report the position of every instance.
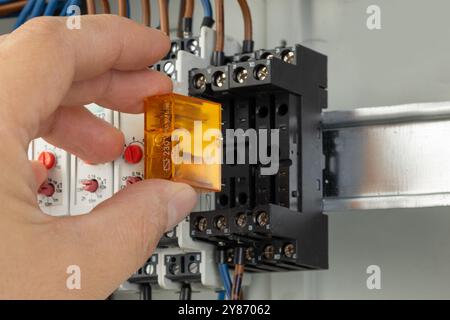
(47, 74)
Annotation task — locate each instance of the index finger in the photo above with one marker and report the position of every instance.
(44, 57)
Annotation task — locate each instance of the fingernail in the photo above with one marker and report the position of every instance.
(180, 205)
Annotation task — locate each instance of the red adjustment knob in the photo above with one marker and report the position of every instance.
(133, 180)
(90, 185)
(48, 159)
(133, 154)
(46, 189)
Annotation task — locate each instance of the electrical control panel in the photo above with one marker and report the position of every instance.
(269, 211)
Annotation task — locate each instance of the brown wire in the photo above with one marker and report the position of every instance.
(220, 26)
(91, 6)
(164, 16)
(146, 12)
(237, 282)
(106, 7)
(248, 25)
(189, 9)
(123, 8)
(180, 18)
(8, 8)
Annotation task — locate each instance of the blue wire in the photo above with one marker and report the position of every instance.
(26, 10)
(67, 5)
(128, 9)
(207, 8)
(5, 1)
(51, 7)
(221, 295)
(225, 275)
(38, 9)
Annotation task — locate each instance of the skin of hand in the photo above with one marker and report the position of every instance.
(47, 74)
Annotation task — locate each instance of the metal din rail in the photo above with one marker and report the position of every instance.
(387, 157)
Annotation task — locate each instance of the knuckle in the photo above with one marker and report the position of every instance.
(44, 26)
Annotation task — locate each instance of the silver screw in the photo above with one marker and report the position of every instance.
(261, 72)
(221, 223)
(269, 252)
(219, 79)
(289, 250)
(174, 269)
(192, 46)
(241, 75)
(149, 269)
(262, 219)
(202, 224)
(169, 68)
(193, 267)
(174, 47)
(170, 234)
(249, 253)
(199, 81)
(241, 220)
(288, 57)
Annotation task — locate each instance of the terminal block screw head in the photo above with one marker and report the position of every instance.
(193, 46)
(199, 81)
(261, 72)
(269, 252)
(219, 79)
(289, 250)
(149, 269)
(288, 56)
(170, 234)
(193, 267)
(169, 68)
(241, 220)
(240, 75)
(221, 223)
(262, 218)
(174, 269)
(249, 253)
(201, 224)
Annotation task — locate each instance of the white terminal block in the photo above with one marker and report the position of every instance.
(91, 184)
(53, 195)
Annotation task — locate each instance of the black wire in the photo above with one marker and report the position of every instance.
(186, 292)
(146, 291)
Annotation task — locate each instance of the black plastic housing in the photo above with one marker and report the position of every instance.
(283, 89)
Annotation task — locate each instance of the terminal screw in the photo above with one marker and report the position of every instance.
(170, 234)
(193, 267)
(262, 218)
(249, 254)
(289, 250)
(193, 46)
(169, 68)
(201, 224)
(199, 81)
(261, 72)
(149, 269)
(174, 269)
(219, 79)
(240, 75)
(288, 57)
(221, 223)
(269, 252)
(241, 220)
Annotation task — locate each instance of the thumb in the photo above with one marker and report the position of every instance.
(120, 234)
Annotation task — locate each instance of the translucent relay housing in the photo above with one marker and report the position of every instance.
(183, 140)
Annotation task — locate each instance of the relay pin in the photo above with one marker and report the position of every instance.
(183, 140)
